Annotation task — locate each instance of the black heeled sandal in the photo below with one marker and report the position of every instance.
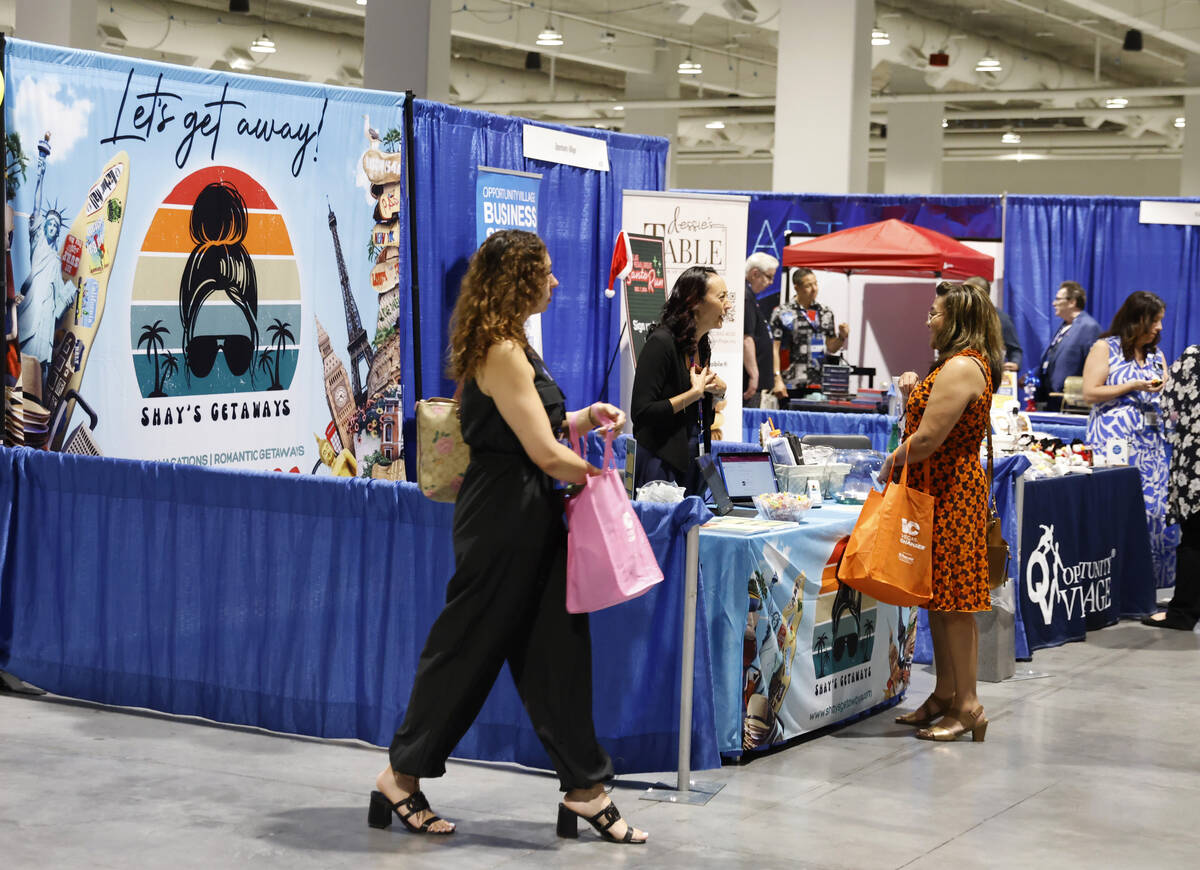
(379, 814)
(568, 823)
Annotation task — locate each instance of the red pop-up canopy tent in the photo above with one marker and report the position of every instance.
(890, 247)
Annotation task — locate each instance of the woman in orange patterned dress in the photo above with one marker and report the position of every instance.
(947, 418)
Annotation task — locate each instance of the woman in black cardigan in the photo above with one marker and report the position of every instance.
(673, 387)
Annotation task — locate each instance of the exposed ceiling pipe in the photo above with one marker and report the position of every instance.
(211, 39)
(1068, 95)
(1173, 36)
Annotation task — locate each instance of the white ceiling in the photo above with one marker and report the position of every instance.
(1061, 59)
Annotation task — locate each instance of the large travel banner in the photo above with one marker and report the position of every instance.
(207, 265)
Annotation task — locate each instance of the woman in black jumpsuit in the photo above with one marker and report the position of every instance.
(507, 598)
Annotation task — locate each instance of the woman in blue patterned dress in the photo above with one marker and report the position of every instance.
(1123, 379)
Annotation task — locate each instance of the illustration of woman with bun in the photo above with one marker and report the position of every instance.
(219, 274)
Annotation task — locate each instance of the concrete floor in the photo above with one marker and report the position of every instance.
(1094, 765)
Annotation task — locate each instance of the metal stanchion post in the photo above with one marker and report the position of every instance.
(687, 790)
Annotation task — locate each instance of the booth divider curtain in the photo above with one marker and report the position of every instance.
(772, 215)
(295, 603)
(1099, 242)
(579, 215)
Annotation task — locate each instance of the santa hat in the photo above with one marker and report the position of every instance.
(622, 263)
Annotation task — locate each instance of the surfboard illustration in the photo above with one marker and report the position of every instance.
(87, 257)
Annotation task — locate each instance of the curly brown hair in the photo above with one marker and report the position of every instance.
(504, 281)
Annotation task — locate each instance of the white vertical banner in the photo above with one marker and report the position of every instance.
(700, 230)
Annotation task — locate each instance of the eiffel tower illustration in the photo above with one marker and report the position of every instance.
(358, 346)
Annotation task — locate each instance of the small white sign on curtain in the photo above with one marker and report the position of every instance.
(558, 146)
(1152, 211)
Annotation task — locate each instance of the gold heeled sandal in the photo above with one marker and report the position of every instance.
(974, 722)
(929, 712)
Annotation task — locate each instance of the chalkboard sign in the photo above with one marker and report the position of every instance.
(645, 288)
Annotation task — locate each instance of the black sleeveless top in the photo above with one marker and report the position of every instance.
(486, 432)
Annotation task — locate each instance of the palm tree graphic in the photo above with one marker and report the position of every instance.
(170, 366)
(391, 140)
(152, 337)
(280, 336)
(818, 645)
(265, 362)
(869, 626)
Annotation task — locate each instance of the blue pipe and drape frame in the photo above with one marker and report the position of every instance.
(298, 604)
(1099, 242)
(579, 215)
(773, 215)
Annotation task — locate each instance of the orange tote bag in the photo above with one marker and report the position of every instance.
(890, 553)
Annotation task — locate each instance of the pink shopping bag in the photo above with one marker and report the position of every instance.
(609, 559)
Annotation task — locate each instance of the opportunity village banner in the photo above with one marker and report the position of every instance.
(702, 230)
(506, 199)
(208, 264)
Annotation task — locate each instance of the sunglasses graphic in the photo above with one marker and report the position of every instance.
(202, 353)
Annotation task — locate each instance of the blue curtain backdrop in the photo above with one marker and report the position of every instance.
(772, 215)
(295, 603)
(1098, 242)
(579, 213)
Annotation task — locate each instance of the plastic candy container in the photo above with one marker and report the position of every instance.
(784, 506)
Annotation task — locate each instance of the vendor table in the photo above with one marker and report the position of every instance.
(1084, 554)
(298, 604)
(877, 427)
(786, 658)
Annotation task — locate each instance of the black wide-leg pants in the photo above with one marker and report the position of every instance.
(1185, 604)
(505, 602)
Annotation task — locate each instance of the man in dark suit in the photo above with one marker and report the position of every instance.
(756, 337)
(1070, 345)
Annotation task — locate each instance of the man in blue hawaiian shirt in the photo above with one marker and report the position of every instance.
(804, 337)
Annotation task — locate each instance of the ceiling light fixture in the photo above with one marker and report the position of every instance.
(1116, 103)
(1180, 122)
(988, 64)
(688, 68)
(361, 2)
(618, 108)
(715, 125)
(264, 44)
(1011, 138)
(880, 37)
(549, 36)
(945, 123)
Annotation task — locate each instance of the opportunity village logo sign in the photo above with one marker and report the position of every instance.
(215, 305)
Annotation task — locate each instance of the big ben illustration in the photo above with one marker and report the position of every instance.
(338, 391)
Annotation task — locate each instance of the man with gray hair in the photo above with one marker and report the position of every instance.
(757, 362)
